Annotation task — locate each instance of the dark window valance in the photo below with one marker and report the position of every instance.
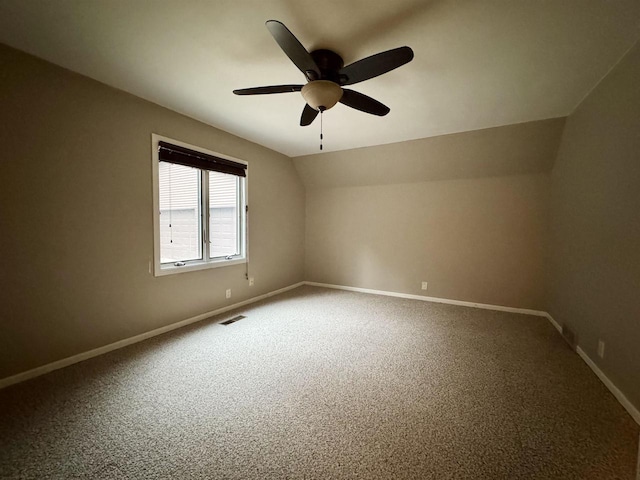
(168, 152)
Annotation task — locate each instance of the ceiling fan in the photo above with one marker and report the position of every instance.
(326, 75)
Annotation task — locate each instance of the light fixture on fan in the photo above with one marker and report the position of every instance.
(321, 94)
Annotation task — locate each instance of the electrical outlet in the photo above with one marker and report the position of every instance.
(228, 293)
(424, 285)
(601, 348)
(250, 281)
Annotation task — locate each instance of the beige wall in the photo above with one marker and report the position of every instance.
(76, 213)
(477, 240)
(594, 281)
(465, 212)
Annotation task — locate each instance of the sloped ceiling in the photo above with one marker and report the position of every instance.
(478, 64)
(520, 149)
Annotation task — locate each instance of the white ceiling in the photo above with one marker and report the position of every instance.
(478, 63)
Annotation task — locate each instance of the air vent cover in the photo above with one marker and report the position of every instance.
(232, 320)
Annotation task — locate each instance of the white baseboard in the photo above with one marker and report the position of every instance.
(36, 372)
(624, 401)
(553, 322)
(633, 411)
(424, 298)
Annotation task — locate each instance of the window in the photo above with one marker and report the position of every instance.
(199, 208)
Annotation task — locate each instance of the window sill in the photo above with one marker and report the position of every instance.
(162, 270)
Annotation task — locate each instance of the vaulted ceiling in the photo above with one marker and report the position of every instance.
(477, 64)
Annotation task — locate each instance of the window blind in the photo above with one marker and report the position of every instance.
(168, 152)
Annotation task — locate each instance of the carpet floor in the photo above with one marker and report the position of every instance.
(318, 383)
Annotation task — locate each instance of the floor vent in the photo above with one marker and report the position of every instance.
(232, 320)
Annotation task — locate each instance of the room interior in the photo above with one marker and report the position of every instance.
(505, 176)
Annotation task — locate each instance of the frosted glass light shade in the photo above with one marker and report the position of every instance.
(321, 93)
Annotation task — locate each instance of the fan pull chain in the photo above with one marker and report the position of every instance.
(321, 110)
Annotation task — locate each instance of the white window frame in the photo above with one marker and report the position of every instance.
(161, 269)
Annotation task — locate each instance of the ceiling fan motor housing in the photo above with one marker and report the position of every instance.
(329, 63)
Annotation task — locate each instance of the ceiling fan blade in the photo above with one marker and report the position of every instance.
(363, 103)
(294, 49)
(268, 90)
(375, 65)
(309, 114)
